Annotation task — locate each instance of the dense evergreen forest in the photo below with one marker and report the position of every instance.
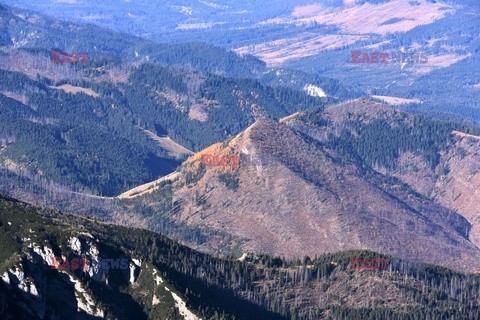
(264, 287)
(380, 142)
(99, 143)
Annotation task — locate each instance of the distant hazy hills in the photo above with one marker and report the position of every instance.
(318, 37)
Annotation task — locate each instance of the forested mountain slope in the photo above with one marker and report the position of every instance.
(318, 37)
(109, 139)
(162, 279)
(134, 110)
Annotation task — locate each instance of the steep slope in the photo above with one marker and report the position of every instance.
(159, 279)
(43, 276)
(295, 196)
(112, 123)
(459, 187)
(454, 183)
(438, 159)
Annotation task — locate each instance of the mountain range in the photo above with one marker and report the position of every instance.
(318, 37)
(238, 177)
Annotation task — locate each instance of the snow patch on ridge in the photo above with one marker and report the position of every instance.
(75, 244)
(133, 268)
(158, 279)
(138, 262)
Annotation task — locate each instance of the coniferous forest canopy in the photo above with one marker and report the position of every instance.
(257, 287)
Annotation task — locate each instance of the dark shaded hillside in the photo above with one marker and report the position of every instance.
(322, 288)
(34, 291)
